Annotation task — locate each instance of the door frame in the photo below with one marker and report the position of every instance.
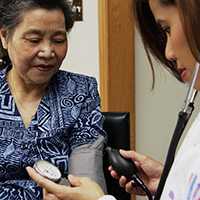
(116, 47)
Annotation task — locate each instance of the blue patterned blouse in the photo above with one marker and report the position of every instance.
(68, 116)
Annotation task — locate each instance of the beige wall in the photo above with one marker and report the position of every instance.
(83, 54)
(156, 111)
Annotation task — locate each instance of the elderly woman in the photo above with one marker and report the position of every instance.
(45, 113)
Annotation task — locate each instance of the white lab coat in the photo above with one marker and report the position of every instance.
(183, 182)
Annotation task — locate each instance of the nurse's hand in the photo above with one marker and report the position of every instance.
(82, 188)
(49, 196)
(149, 169)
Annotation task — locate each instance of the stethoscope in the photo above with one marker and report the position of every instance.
(128, 169)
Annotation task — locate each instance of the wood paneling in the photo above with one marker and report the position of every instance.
(117, 58)
(117, 85)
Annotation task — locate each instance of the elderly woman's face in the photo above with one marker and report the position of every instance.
(38, 45)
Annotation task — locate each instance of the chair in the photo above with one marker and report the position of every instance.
(117, 126)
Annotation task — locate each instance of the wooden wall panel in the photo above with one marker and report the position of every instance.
(117, 57)
(117, 85)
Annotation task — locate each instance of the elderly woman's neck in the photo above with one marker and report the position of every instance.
(24, 90)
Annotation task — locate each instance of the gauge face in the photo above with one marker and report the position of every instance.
(48, 170)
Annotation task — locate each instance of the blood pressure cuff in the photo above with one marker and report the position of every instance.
(87, 160)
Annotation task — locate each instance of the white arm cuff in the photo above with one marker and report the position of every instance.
(107, 197)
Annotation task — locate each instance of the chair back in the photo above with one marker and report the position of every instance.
(117, 127)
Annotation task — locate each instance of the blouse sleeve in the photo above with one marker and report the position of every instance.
(88, 138)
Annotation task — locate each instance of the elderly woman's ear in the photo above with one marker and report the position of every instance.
(4, 37)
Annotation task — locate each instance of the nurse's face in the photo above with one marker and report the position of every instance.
(177, 47)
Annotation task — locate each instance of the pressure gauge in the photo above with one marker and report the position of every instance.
(47, 170)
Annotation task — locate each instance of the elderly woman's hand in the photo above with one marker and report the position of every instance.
(82, 188)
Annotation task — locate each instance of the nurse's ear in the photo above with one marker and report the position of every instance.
(4, 37)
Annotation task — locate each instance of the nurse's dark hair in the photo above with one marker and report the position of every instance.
(154, 38)
(11, 14)
(190, 15)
